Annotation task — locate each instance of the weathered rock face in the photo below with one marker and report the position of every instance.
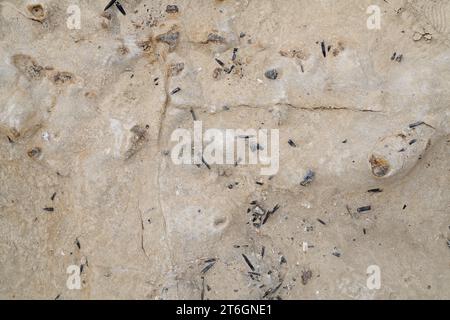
(88, 179)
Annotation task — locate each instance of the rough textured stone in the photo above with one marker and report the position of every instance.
(87, 179)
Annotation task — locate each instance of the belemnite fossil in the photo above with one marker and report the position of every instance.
(118, 5)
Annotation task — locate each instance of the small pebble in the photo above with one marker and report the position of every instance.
(271, 74)
(171, 8)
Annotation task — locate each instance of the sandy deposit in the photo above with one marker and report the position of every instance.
(87, 180)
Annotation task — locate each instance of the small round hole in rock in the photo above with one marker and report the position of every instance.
(38, 11)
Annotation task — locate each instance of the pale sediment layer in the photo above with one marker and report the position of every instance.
(87, 178)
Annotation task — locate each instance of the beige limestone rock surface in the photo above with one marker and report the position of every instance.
(86, 176)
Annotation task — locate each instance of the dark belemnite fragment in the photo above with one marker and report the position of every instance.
(118, 5)
(49, 209)
(375, 190)
(271, 291)
(270, 212)
(275, 209)
(214, 37)
(194, 116)
(121, 9)
(110, 4)
(233, 57)
(324, 51)
(208, 266)
(292, 143)
(177, 89)
(364, 209)
(416, 124)
(247, 261)
(271, 74)
(219, 62)
(396, 57)
(228, 70)
(202, 294)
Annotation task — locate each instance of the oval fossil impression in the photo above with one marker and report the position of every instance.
(398, 153)
(37, 11)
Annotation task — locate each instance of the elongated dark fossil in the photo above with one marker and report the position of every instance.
(118, 5)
